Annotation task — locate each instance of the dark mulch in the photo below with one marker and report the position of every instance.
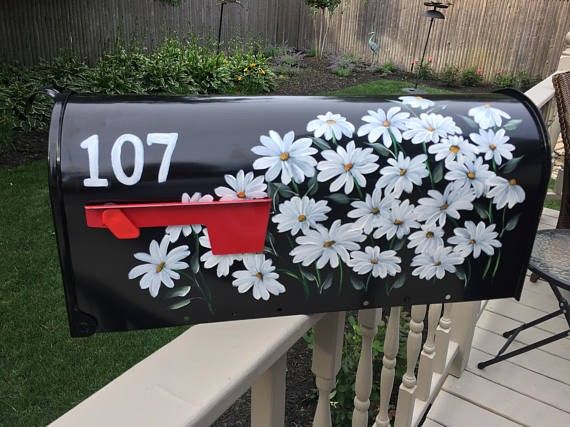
(26, 147)
(300, 403)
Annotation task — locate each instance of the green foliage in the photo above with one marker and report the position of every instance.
(387, 68)
(342, 397)
(521, 80)
(424, 69)
(343, 65)
(286, 61)
(471, 77)
(329, 5)
(175, 67)
(450, 76)
(311, 53)
(171, 2)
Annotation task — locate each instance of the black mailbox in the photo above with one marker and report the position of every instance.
(174, 211)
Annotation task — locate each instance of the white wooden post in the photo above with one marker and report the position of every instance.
(442, 335)
(425, 371)
(268, 396)
(564, 62)
(406, 395)
(391, 344)
(464, 317)
(327, 353)
(368, 321)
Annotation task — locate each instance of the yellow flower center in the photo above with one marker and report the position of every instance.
(375, 211)
(402, 172)
(437, 263)
(259, 275)
(430, 129)
(328, 243)
(301, 218)
(443, 207)
(513, 181)
(160, 267)
(398, 222)
(241, 194)
(493, 146)
(348, 166)
(374, 261)
(284, 156)
(471, 175)
(454, 149)
(386, 123)
(429, 234)
(418, 97)
(472, 241)
(331, 122)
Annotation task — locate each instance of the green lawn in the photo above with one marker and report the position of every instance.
(383, 87)
(43, 371)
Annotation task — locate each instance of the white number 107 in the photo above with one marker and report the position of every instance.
(91, 144)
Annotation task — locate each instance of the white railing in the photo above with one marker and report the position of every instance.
(195, 378)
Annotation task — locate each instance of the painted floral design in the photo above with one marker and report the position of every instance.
(412, 190)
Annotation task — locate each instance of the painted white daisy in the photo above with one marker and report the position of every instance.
(430, 128)
(329, 125)
(159, 266)
(221, 262)
(243, 186)
(173, 231)
(426, 240)
(436, 263)
(398, 221)
(469, 173)
(416, 102)
(437, 207)
(453, 147)
(505, 192)
(300, 214)
(402, 174)
(380, 264)
(474, 239)
(259, 276)
(347, 165)
(384, 125)
(292, 159)
(368, 213)
(493, 145)
(326, 246)
(487, 116)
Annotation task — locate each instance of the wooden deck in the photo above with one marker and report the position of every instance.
(531, 389)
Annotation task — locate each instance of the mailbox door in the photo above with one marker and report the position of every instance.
(174, 211)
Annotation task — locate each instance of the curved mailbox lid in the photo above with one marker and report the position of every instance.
(127, 152)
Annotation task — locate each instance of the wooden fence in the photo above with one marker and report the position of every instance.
(493, 35)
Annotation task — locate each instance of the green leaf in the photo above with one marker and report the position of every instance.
(460, 273)
(380, 149)
(312, 186)
(179, 304)
(487, 266)
(339, 198)
(399, 244)
(179, 292)
(510, 165)
(274, 196)
(284, 191)
(481, 210)
(469, 122)
(321, 143)
(327, 283)
(195, 262)
(309, 276)
(356, 283)
(512, 124)
(513, 222)
(290, 274)
(437, 174)
(400, 281)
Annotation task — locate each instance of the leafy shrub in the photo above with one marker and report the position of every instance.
(424, 69)
(342, 397)
(504, 80)
(388, 68)
(521, 80)
(471, 77)
(251, 73)
(343, 65)
(450, 76)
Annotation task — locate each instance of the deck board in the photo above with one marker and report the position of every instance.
(529, 389)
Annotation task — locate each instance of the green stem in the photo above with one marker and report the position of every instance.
(303, 280)
(318, 273)
(497, 262)
(427, 164)
(367, 281)
(490, 211)
(334, 141)
(359, 190)
(340, 277)
(503, 222)
(296, 187)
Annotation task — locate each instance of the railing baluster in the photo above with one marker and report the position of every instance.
(406, 398)
(368, 321)
(268, 396)
(327, 353)
(425, 371)
(465, 316)
(391, 344)
(442, 335)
